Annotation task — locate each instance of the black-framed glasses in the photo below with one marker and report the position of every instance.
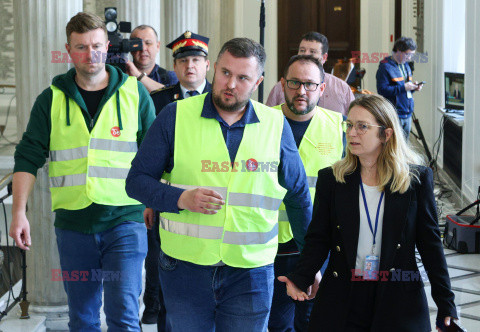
(295, 85)
(360, 127)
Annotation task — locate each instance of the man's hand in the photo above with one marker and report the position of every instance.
(313, 289)
(201, 200)
(293, 291)
(419, 86)
(410, 86)
(148, 217)
(147, 82)
(131, 69)
(20, 231)
(20, 228)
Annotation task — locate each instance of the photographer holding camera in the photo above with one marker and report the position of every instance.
(144, 68)
(90, 121)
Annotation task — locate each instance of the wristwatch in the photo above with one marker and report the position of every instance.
(139, 78)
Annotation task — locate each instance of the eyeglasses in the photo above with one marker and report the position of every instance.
(360, 127)
(295, 85)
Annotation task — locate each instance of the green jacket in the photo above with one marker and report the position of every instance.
(32, 151)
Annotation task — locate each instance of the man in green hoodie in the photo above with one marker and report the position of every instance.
(89, 122)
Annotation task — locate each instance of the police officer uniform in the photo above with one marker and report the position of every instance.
(187, 44)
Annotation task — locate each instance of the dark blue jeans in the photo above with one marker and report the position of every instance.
(111, 260)
(406, 125)
(152, 279)
(153, 296)
(215, 298)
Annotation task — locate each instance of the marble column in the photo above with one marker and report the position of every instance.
(142, 12)
(177, 17)
(180, 15)
(7, 58)
(209, 25)
(39, 31)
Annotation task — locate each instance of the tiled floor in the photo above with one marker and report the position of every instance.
(464, 271)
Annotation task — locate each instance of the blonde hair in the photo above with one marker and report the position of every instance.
(84, 22)
(393, 163)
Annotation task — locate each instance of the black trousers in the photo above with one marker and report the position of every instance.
(360, 316)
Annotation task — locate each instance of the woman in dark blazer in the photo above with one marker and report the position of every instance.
(377, 158)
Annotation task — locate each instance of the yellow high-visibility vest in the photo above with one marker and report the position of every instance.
(321, 146)
(88, 167)
(244, 232)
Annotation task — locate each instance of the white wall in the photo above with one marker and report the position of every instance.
(376, 27)
(471, 129)
(431, 96)
(247, 25)
(454, 36)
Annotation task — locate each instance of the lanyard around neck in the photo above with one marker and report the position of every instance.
(374, 231)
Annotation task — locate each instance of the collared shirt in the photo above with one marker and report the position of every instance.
(155, 156)
(199, 89)
(168, 80)
(337, 95)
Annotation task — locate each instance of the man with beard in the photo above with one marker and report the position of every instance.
(225, 163)
(320, 140)
(144, 68)
(337, 95)
(90, 122)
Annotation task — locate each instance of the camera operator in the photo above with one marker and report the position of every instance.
(144, 68)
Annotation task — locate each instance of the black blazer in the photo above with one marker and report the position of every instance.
(163, 97)
(409, 220)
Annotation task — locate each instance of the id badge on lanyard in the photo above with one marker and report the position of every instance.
(372, 261)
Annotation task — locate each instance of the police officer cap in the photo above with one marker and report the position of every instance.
(189, 43)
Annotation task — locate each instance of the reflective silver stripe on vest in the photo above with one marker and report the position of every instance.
(246, 238)
(239, 199)
(107, 172)
(282, 215)
(221, 190)
(111, 145)
(312, 181)
(197, 231)
(69, 154)
(68, 180)
(253, 200)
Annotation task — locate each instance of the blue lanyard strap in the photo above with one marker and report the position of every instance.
(374, 232)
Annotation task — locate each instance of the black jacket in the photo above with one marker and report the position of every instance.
(163, 97)
(409, 220)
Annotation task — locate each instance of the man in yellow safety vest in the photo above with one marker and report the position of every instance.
(225, 163)
(90, 122)
(320, 140)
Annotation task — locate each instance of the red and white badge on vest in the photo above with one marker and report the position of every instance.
(252, 164)
(115, 131)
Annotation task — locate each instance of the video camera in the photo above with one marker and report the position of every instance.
(119, 47)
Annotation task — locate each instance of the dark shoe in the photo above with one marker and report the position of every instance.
(149, 316)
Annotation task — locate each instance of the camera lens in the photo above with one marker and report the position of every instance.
(111, 26)
(110, 14)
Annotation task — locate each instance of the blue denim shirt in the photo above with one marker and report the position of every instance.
(155, 156)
